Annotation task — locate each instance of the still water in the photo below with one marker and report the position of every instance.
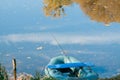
(25, 34)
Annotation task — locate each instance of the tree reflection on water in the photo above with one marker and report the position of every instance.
(55, 8)
(106, 11)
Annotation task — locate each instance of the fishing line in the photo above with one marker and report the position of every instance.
(58, 44)
(62, 50)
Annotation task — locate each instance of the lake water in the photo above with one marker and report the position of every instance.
(29, 59)
(29, 36)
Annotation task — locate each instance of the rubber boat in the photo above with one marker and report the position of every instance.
(69, 68)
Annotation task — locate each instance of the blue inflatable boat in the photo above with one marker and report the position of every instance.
(69, 68)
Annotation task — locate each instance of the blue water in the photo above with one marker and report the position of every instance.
(29, 59)
(24, 27)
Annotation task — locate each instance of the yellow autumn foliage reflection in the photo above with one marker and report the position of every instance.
(106, 11)
(55, 7)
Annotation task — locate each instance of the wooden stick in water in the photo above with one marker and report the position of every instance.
(14, 68)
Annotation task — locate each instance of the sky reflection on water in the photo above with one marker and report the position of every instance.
(24, 27)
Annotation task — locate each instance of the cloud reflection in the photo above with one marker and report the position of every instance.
(62, 38)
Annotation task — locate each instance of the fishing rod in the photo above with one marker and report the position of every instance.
(61, 48)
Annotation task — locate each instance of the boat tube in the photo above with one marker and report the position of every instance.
(69, 68)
